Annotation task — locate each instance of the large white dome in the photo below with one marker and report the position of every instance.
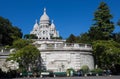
(44, 17)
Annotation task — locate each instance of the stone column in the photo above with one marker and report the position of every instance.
(55, 45)
(65, 45)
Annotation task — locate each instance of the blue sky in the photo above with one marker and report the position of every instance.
(70, 16)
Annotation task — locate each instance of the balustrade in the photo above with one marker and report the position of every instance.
(66, 46)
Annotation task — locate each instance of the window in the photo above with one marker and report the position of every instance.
(43, 32)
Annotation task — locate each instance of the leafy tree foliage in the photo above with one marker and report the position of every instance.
(30, 36)
(20, 43)
(56, 37)
(105, 43)
(84, 38)
(85, 69)
(118, 23)
(106, 53)
(8, 32)
(103, 26)
(71, 39)
(116, 37)
(26, 54)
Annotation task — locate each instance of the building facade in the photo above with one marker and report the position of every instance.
(57, 55)
(45, 29)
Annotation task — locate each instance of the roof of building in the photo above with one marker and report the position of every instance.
(44, 16)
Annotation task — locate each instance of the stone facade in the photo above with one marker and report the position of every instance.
(45, 30)
(3, 55)
(58, 56)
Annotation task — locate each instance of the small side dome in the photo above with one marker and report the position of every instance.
(52, 25)
(36, 25)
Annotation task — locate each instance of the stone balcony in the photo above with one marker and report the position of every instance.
(64, 46)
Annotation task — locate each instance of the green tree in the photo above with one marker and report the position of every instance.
(8, 33)
(106, 53)
(85, 69)
(84, 38)
(71, 39)
(16, 33)
(26, 54)
(116, 37)
(56, 37)
(118, 23)
(30, 36)
(20, 43)
(103, 26)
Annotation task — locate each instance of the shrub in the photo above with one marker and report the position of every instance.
(97, 71)
(85, 69)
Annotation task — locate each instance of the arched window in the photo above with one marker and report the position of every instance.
(43, 32)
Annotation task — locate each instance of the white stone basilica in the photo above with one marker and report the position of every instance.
(57, 55)
(45, 29)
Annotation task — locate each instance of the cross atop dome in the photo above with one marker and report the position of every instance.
(44, 10)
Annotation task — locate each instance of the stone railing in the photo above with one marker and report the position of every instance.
(64, 46)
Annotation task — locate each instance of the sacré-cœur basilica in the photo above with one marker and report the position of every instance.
(56, 54)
